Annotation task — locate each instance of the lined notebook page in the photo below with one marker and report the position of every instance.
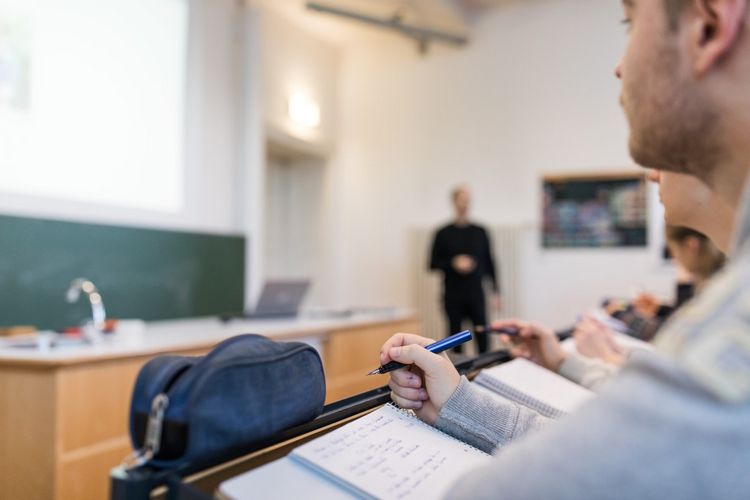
(286, 479)
(531, 385)
(391, 454)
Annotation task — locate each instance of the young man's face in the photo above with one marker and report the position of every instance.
(461, 202)
(671, 120)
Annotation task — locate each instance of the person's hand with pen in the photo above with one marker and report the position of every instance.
(595, 340)
(427, 384)
(431, 380)
(532, 341)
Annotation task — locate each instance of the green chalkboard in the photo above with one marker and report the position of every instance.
(141, 273)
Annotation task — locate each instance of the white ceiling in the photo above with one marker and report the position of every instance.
(449, 16)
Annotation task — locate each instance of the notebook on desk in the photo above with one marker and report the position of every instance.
(388, 453)
(535, 387)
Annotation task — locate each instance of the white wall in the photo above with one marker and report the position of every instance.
(287, 204)
(533, 93)
(293, 244)
(211, 137)
(297, 62)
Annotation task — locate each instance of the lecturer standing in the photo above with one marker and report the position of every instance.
(461, 250)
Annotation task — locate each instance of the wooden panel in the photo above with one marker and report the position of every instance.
(93, 424)
(84, 476)
(344, 386)
(357, 349)
(27, 434)
(95, 401)
(350, 354)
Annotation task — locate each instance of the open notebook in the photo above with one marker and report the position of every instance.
(388, 453)
(531, 385)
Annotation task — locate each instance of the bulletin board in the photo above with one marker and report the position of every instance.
(595, 211)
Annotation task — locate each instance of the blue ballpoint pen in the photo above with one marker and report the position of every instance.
(437, 347)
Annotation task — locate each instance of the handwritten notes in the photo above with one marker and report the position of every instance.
(390, 454)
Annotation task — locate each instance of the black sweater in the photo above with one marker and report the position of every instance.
(471, 240)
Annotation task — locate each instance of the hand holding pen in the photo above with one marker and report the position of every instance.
(532, 341)
(426, 385)
(435, 347)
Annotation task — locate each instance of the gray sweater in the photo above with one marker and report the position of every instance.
(591, 373)
(475, 417)
(651, 434)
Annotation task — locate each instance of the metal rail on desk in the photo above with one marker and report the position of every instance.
(138, 483)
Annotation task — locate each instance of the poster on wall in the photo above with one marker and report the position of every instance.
(595, 211)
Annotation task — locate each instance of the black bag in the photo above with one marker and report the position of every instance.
(186, 410)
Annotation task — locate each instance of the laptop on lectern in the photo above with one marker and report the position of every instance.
(280, 299)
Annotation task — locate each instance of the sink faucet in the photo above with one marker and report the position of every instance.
(98, 314)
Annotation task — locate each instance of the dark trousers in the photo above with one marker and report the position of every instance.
(473, 308)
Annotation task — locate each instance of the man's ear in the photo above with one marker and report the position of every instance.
(714, 27)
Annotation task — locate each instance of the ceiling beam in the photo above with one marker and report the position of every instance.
(423, 36)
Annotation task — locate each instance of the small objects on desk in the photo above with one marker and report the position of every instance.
(109, 326)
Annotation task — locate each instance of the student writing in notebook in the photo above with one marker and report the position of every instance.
(683, 409)
(688, 202)
(697, 259)
(598, 357)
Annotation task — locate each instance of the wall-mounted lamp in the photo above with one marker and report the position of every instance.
(303, 111)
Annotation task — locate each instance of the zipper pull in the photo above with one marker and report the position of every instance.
(155, 421)
(154, 427)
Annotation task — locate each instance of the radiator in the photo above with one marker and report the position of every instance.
(427, 285)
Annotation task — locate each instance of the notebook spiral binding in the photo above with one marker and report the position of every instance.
(410, 414)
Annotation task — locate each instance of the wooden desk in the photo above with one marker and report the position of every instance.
(63, 414)
(148, 483)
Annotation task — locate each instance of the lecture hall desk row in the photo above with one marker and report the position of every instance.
(63, 413)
